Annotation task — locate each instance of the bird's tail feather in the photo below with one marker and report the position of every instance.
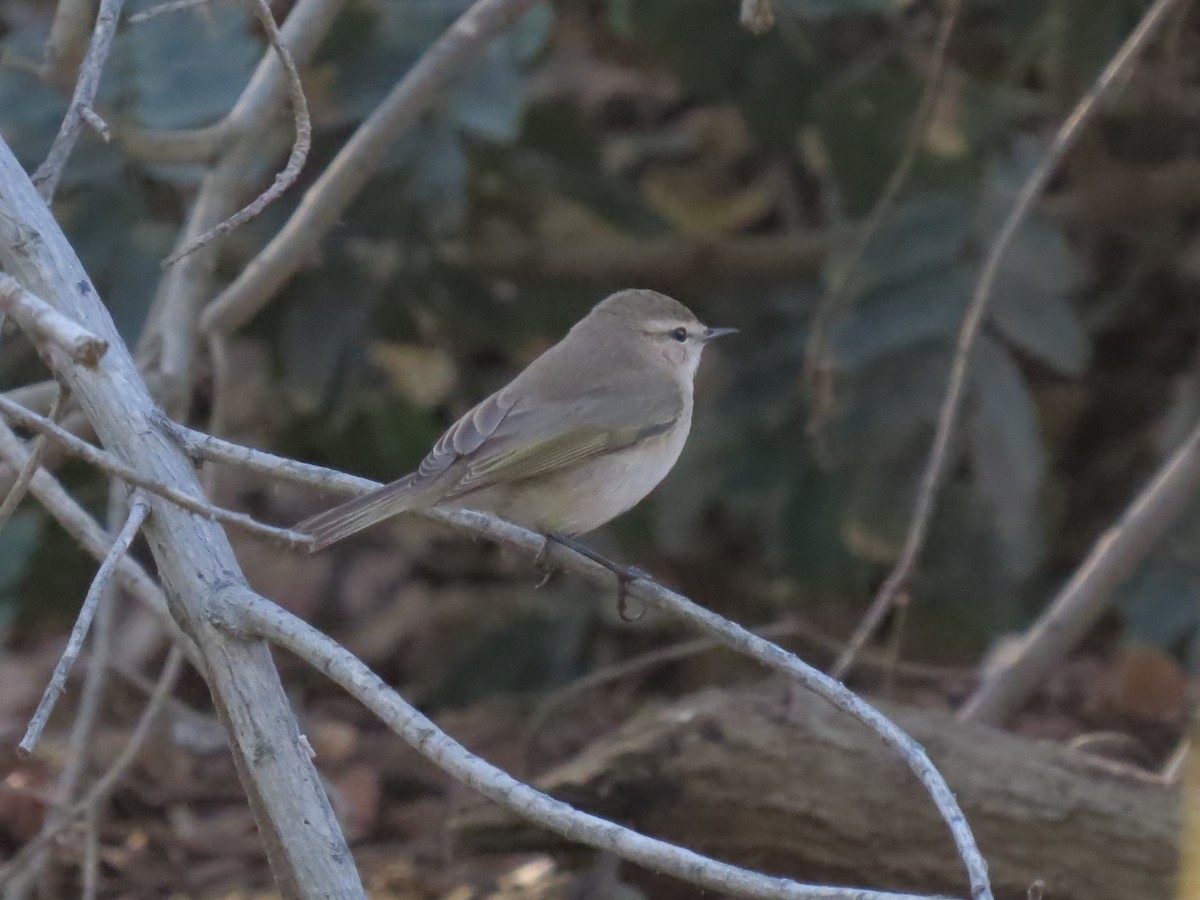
(362, 512)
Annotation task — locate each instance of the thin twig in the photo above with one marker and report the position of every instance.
(291, 171)
(113, 466)
(194, 145)
(650, 593)
(305, 846)
(639, 665)
(86, 531)
(88, 713)
(818, 364)
(47, 176)
(44, 323)
(17, 492)
(939, 455)
(266, 620)
(1081, 602)
(93, 120)
(58, 681)
(354, 165)
(238, 144)
(112, 776)
(173, 6)
(1173, 770)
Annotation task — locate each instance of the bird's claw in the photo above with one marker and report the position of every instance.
(626, 575)
(543, 565)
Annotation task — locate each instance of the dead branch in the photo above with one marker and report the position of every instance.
(260, 618)
(44, 323)
(172, 7)
(652, 594)
(107, 782)
(246, 133)
(784, 782)
(25, 474)
(291, 170)
(83, 622)
(350, 170)
(50, 171)
(113, 466)
(304, 844)
(1067, 620)
(939, 454)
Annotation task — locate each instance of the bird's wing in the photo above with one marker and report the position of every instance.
(493, 441)
(524, 460)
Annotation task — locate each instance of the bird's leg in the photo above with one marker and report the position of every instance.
(543, 563)
(626, 575)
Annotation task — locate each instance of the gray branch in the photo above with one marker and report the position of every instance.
(46, 324)
(50, 171)
(304, 844)
(354, 165)
(1079, 605)
(651, 593)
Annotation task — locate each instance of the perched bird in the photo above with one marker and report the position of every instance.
(580, 436)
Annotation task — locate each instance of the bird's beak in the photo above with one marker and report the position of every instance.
(712, 333)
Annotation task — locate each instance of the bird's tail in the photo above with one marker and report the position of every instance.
(362, 512)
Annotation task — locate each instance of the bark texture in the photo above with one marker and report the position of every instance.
(789, 786)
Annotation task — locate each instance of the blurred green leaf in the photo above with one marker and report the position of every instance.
(18, 538)
(924, 233)
(183, 70)
(896, 317)
(1007, 457)
(1031, 302)
(1161, 603)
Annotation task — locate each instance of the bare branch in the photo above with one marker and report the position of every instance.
(44, 323)
(25, 475)
(275, 624)
(173, 6)
(350, 170)
(552, 702)
(196, 145)
(291, 171)
(818, 364)
(58, 681)
(305, 846)
(939, 455)
(105, 784)
(86, 716)
(652, 594)
(1078, 606)
(50, 171)
(113, 466)
(243, 138)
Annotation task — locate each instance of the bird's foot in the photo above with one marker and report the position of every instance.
(626, 575)
(544, 565)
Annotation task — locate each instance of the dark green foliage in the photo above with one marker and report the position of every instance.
(524, 148)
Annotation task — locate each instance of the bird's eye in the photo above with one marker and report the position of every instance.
(679, 334)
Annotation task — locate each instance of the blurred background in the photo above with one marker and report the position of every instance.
(604, 144)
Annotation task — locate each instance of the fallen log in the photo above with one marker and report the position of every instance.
(787, 785)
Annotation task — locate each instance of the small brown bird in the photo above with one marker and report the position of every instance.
(580, 436)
